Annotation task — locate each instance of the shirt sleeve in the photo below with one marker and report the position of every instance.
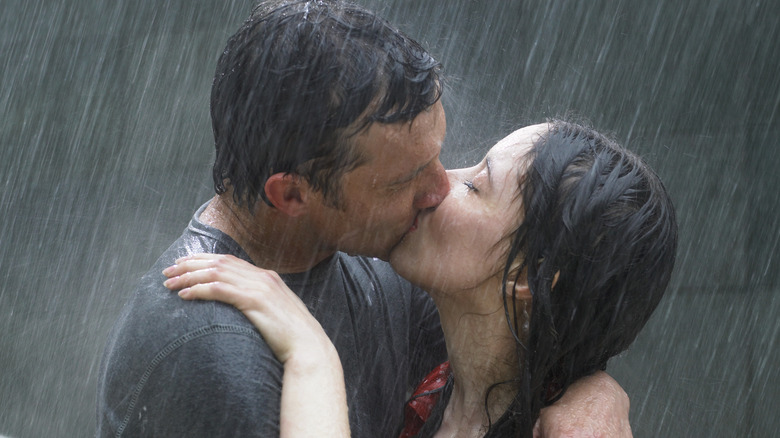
(221, 383)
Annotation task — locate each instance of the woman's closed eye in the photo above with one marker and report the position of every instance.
(470, 185)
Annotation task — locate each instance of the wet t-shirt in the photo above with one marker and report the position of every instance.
(199, 368)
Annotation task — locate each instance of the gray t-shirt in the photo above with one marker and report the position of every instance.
(199, 368)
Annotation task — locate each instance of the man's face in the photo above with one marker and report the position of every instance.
(381, 199)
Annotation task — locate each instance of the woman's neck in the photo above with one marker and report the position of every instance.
(482, 352)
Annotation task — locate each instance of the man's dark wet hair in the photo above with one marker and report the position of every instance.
(599, 218)
(298, 80)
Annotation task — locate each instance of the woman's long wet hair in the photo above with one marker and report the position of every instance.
(598, 217)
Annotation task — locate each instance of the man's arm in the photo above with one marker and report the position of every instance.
(593, 407)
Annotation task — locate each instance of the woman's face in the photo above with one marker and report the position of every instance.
(461, 244)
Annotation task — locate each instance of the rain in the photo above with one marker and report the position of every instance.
(106, 149)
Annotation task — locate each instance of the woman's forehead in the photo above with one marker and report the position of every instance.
(525, 135)
(511, 149)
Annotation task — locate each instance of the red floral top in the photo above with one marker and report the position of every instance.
(425, 397)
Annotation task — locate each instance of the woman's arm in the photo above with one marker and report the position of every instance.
(313, 394)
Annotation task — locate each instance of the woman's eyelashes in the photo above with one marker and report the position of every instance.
(470, 185)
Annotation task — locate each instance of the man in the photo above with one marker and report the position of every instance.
(328, 128)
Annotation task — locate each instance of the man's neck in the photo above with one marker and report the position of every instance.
(271, 240)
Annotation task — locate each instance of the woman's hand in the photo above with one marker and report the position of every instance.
(313, 395)
(281, 317)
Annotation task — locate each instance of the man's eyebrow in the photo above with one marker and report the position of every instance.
(410, 176)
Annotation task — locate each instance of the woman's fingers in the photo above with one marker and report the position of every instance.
(190, 278)
(211, 291)
(243, 299)
(196, 262)
(209, 256)
(209, 268)
(187, 266)
(229, 279)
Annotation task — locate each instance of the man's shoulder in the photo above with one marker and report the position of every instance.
(156, 325)
(155, 318)
(164, 348)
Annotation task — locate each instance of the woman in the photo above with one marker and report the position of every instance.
(545, 260)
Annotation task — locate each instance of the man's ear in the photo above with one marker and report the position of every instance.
(287, 192)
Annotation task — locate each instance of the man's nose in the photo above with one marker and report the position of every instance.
(435, 189)
(453, 176)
